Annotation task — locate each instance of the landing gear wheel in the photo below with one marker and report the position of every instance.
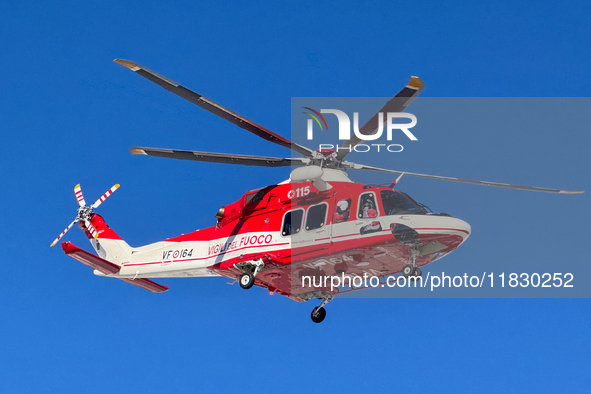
(408, 270)
(246, 280)
(318, 314)
(416, 274)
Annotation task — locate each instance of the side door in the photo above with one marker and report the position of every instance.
(342, 221)
(367, 214)
(317, 230)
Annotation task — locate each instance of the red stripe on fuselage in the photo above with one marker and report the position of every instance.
(204, 258)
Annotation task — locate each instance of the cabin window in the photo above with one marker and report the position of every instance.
(342, 211)
(367, 206)
(396, 203)
(292, 222)
(316, 216)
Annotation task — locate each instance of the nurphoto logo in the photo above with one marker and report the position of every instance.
(369, 132)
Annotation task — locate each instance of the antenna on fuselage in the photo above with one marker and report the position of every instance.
(396, 181)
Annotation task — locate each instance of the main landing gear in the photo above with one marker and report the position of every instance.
(246, 280)
(319, 313)
(411, 271)
(250, 268)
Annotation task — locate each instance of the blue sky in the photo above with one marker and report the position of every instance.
(69, 115)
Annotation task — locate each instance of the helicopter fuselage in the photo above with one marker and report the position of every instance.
(294, 229)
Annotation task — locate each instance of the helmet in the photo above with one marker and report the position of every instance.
(343, 205)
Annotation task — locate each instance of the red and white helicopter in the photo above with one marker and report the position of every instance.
(316, 224)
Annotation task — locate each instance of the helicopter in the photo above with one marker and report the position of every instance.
(315, 225)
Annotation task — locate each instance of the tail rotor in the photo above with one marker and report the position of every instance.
(85, 211)
(105, 196)
(79, 196)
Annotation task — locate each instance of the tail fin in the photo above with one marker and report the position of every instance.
(108, 245)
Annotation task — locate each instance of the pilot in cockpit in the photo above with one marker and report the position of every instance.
(342, 213)
(369, 207)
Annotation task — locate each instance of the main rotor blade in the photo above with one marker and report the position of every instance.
(105, 196)
(214, 108)
(396, 104)
(79, 196)
(219, 157)
(64, 232)
(485, 183)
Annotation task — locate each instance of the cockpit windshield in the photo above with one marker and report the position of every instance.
(397, 203)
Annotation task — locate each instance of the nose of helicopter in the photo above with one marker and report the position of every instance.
(443, 225)
(464, 227)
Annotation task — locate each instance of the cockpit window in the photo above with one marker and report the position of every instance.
(342, 211)
(397, 203)
(316, 216)
(292, 222)
(367, 206)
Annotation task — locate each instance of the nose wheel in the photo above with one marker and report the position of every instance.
(411, 271)
(408, 270)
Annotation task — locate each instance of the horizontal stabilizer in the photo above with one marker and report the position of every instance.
(147, 284)
(108, 268)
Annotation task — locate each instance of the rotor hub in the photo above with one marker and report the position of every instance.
(85, 212)
(326, 158)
